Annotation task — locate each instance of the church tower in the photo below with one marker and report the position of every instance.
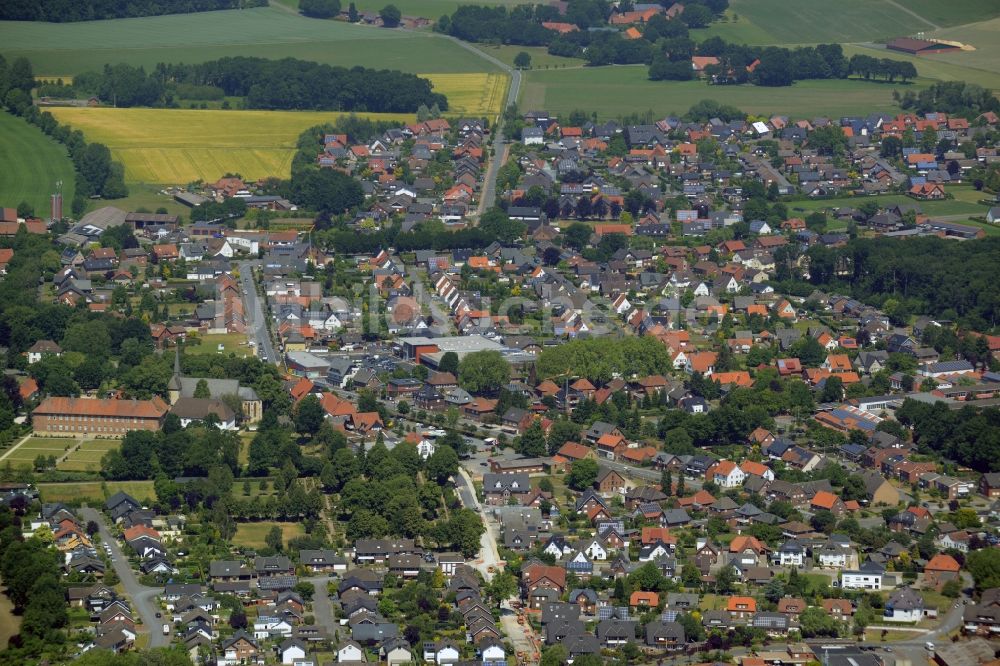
(174, 385)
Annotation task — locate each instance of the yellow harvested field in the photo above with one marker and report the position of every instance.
(177, 146)
(479, 94)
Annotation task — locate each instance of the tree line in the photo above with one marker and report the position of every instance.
(96, 173)
(953, 97)
(523, 25)
(671, 57)
(61, 11)
(287, 84)
(32, 577)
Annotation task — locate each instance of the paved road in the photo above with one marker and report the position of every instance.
(521, 635)
(322, 606)
(500, 149)
(489, 554)
(143, 598)
(255, 317)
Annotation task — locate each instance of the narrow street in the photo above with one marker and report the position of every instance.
(521, 635)
(322, 606)
(143, 598)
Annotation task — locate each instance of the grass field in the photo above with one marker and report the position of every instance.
(964, 203)
(540, 58)
(95, 491)
(616, 91)
(177, 146)
(810, 21)
(59, 49)
(88, 457)
(955, 69)
(984, 36)
(40, 163)
(251, 535)
(233, 343)
(25, 454)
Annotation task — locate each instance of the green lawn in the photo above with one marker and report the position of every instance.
(964, 203)
(813, 21)
(87, 458)
(40, 163)
(235, 343)
(540, 58)
(142, 195)
(60, 49)
(95, 491)
(251, 535)
(25, 454)
(616, 91)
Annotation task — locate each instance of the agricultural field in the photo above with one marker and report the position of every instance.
(87, 457)
(41, 162)
(933, 67)
(984, 37)
(177, 146)
(251, 535)
(61, 49)
(809, 21)
(95, 491)
(233, 343)
(478, 95)
(620, 90)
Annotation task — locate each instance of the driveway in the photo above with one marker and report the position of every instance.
(143, 598)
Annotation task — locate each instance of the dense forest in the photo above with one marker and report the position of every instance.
(68, 11)
(931, 276)
(264, 84)
(969, 436)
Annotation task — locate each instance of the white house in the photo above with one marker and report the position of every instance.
(292, 649)
(426, 448)
(653, 552)
(395, 652)
(350, 651)
(558, 548)
(491, 653)
(836, 555)
(861, 580)
(442, 652)
(268, 627)
(532, 136)
(726, 474)
(596, 551)
(792, 553)
(324, 320)
(904, 605)
(621, 304)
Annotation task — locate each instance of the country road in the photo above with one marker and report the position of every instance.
(143, 598)
(500, 148)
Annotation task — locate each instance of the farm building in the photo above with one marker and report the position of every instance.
(919, 46)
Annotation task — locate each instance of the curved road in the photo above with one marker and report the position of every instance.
(143, 597)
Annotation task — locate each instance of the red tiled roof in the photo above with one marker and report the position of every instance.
(143, 409)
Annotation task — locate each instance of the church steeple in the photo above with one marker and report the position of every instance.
(174, 385)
